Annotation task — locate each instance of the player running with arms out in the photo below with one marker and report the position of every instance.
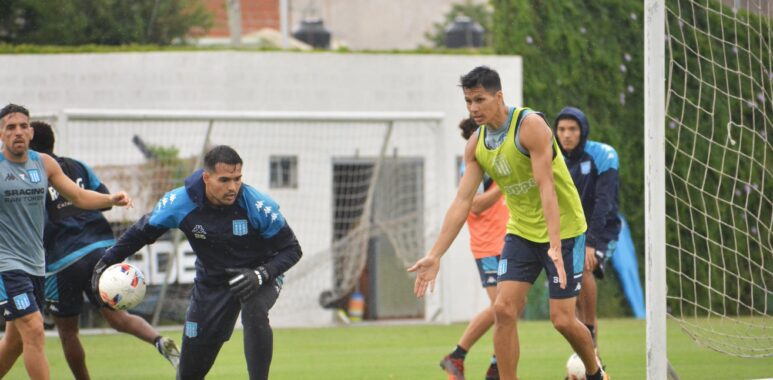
(243, 245)
(25, 176)
(487, 221)
(74, 240)
(515, 146)
(594, 167)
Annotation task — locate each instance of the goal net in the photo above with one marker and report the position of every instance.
(359, 190)
(719, 161)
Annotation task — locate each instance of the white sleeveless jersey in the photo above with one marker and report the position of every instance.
(23, 189)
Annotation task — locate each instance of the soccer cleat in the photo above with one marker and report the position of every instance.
(453, 367)
(492, 373)
(168, 349)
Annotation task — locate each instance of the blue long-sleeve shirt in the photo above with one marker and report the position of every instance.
(594, 168)
(249, 233)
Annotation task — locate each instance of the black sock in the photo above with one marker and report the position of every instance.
(157, 343)
(595, 376)
(459, 352)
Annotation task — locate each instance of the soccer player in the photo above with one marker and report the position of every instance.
(26, 175)
(74, 240)
(516, 148)
(243, 245)
(486, 221)
(594, 169)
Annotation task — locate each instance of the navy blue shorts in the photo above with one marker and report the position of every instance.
(213, 311)
(65, 289)
(523, 260)
(20, 294)
(487, 269)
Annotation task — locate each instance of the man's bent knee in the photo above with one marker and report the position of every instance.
(505, 311)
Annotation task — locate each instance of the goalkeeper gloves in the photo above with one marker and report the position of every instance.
(246, 281)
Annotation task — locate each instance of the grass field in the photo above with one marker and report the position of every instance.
(406, 352)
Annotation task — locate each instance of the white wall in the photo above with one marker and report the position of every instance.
(257, 81)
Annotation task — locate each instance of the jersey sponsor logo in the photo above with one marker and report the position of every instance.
(199, 232)
(21, 301)
(17, 192)
(521, 187)
(10, 177)
(240, 227)
(34, 175)
(585, 167)
(501, 166)
(191, 329)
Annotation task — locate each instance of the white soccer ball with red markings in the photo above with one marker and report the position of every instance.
(122, 286)
(575, 369)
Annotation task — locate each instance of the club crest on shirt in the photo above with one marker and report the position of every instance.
(34, 175)
(240, 227)
(585, 167)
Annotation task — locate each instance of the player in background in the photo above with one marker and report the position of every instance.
(594, 169)
(487, 222)
(74, 240)
(243, 245)
(516, 147)
(25, 176)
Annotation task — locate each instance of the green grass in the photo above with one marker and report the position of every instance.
(407, 352)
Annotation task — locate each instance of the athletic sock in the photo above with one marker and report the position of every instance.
(493, 360)
(157, 343)
(459, 352)
(595, 376)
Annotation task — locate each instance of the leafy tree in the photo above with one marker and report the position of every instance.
(480, 13)
(101, 22)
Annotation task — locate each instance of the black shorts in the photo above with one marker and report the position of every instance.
(213, 311)
(487, 269)
(65, 289)
(20, 294)
(523, 260)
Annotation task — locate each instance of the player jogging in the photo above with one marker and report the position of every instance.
(74, 240)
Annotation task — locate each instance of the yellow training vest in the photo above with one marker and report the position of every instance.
(512, 172)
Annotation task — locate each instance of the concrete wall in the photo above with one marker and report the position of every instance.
(245, 81)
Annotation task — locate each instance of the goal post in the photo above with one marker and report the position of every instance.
(709, 210)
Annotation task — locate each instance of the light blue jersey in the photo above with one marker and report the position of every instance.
(23, 188)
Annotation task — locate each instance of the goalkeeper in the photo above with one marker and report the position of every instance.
(243, 245)
(74, 239)
(594, 169)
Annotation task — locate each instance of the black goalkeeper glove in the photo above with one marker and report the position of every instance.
(98, 269)
(246, 281)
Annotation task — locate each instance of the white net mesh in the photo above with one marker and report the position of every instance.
(718, 181)
(358, 192)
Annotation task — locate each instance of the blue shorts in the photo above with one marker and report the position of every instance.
(213, 311)
(20, 294)
(487, 269)
(523, 260)
(65, 289)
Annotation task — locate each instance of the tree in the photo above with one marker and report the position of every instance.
(103, 22)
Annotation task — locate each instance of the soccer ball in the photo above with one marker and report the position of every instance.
(122, 286)
(575, 369)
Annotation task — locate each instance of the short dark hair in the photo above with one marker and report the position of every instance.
(43, 140)
(13, 108)
(221, 154)
(483, 76)
(468, 127)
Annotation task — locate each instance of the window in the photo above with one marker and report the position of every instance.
(284, 172)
